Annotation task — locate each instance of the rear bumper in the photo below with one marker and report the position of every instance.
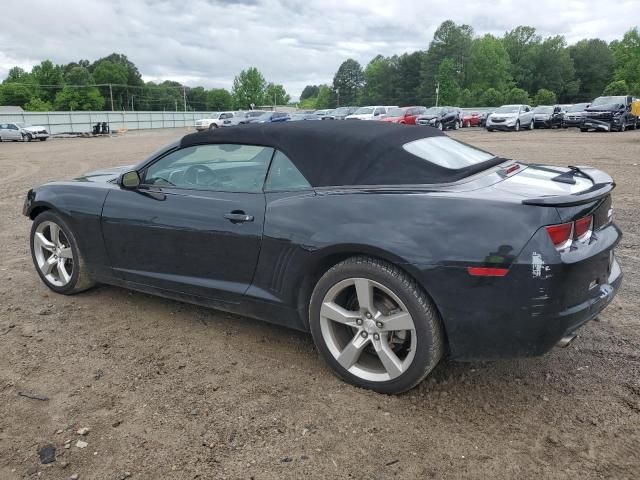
(544, 296)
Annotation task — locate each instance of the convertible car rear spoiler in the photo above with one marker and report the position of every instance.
(602, 186)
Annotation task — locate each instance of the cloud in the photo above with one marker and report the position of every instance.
(293, 42)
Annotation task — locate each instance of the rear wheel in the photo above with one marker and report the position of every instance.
(375, 326)
(440, 126)
(56, 255)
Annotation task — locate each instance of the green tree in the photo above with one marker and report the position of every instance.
(544, 97)
(18, 88)
(324, 98)
(450, 42)
(489, 65)
(249, 88)
(80, 93)
(276, 93)
(309, 103)
(593, 62)
(517, 96)
(553, 67)
(108, 72)
(219, 99)
(449, 89)
(348, 82)
(626, 53)
(47, 74)
(407, 78)
(618, 87)
(133, 76)
(380, 82)
(309, 91)
(467, 99)
(197, 98)
(521, 45)
(491, 98)
(37, 105)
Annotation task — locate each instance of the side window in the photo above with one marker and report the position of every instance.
(3, 126)
(219, 168)
(283, 175)
(13, 127)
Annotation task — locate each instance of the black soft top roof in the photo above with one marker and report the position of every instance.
(344, 152)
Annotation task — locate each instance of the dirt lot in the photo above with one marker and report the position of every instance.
(175, 391)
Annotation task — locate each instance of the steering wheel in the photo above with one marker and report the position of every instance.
(191, 174)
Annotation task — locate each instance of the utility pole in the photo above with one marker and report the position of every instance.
(437, 92)
(132, 109)
(184, 97)
(338, 95)
(176, 105)
(111, 95)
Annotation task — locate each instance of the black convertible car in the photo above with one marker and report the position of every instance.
(393, 245)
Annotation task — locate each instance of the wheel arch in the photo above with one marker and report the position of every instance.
(333, 256)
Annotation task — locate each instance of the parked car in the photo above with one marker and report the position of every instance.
(268, 117)
(610, 113)
(323, 113)
(404, 115)
(22, 132)
(483, 118)
(473, 119)
(368, 113)
(408, 224)
(573, 115)
(249, 115)
(547, 116)
(510, 117)
(340, 113)
(216, 120)
(442, 118)
(295, 117)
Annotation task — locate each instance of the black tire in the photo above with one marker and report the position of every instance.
(440, 126)
(622, 128)
(213, 126)
(43, 139)
(489, 129)
(26, 137)
(584, 129)
(430, 334)
(80, 278)
(517, 127)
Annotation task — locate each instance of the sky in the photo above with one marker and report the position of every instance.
(292, 42)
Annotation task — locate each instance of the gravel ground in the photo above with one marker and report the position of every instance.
(173, 391)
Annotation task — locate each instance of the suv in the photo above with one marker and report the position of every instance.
(510, 117)
(22, 132)
(217, 120)
(372, 112)
(441, 118)
(573, 116)
(546, 116)
(610, 113)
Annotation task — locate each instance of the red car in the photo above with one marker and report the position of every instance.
(406, 115)
(471, 120)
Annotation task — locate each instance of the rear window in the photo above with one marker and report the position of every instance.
(448, 153)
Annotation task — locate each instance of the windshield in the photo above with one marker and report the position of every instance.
(364, 111)
(578, 107)
(608, 101)
(543, 109)
(342, 111)
(22, 125)
(254, 114)
(264, 116)
(447, 152)
(396, 112)
(508, 109)
(433, 111)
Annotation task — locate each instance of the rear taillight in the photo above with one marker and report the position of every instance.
(564, 234)
(583, 228)
(561, 235)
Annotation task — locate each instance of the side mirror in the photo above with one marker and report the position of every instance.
(130, 180)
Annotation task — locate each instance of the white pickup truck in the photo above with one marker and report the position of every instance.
(217, 120)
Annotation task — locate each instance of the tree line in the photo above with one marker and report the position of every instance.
(465, 69)
(115, 83)
(470, 71)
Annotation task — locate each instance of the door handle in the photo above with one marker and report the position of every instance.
(238, 216)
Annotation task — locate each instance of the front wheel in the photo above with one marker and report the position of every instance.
(26, 137)
(213, 126)
(517, 127)
(43, 139)
(375, 326)
(440, 126)
(56, 255)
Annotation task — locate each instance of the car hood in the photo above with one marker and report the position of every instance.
(104, 175)
(603, 108)
(34, 128)
(428, 117)
(361, 116)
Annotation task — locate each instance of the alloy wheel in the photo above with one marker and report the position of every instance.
(368, 329)
(53, 253)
